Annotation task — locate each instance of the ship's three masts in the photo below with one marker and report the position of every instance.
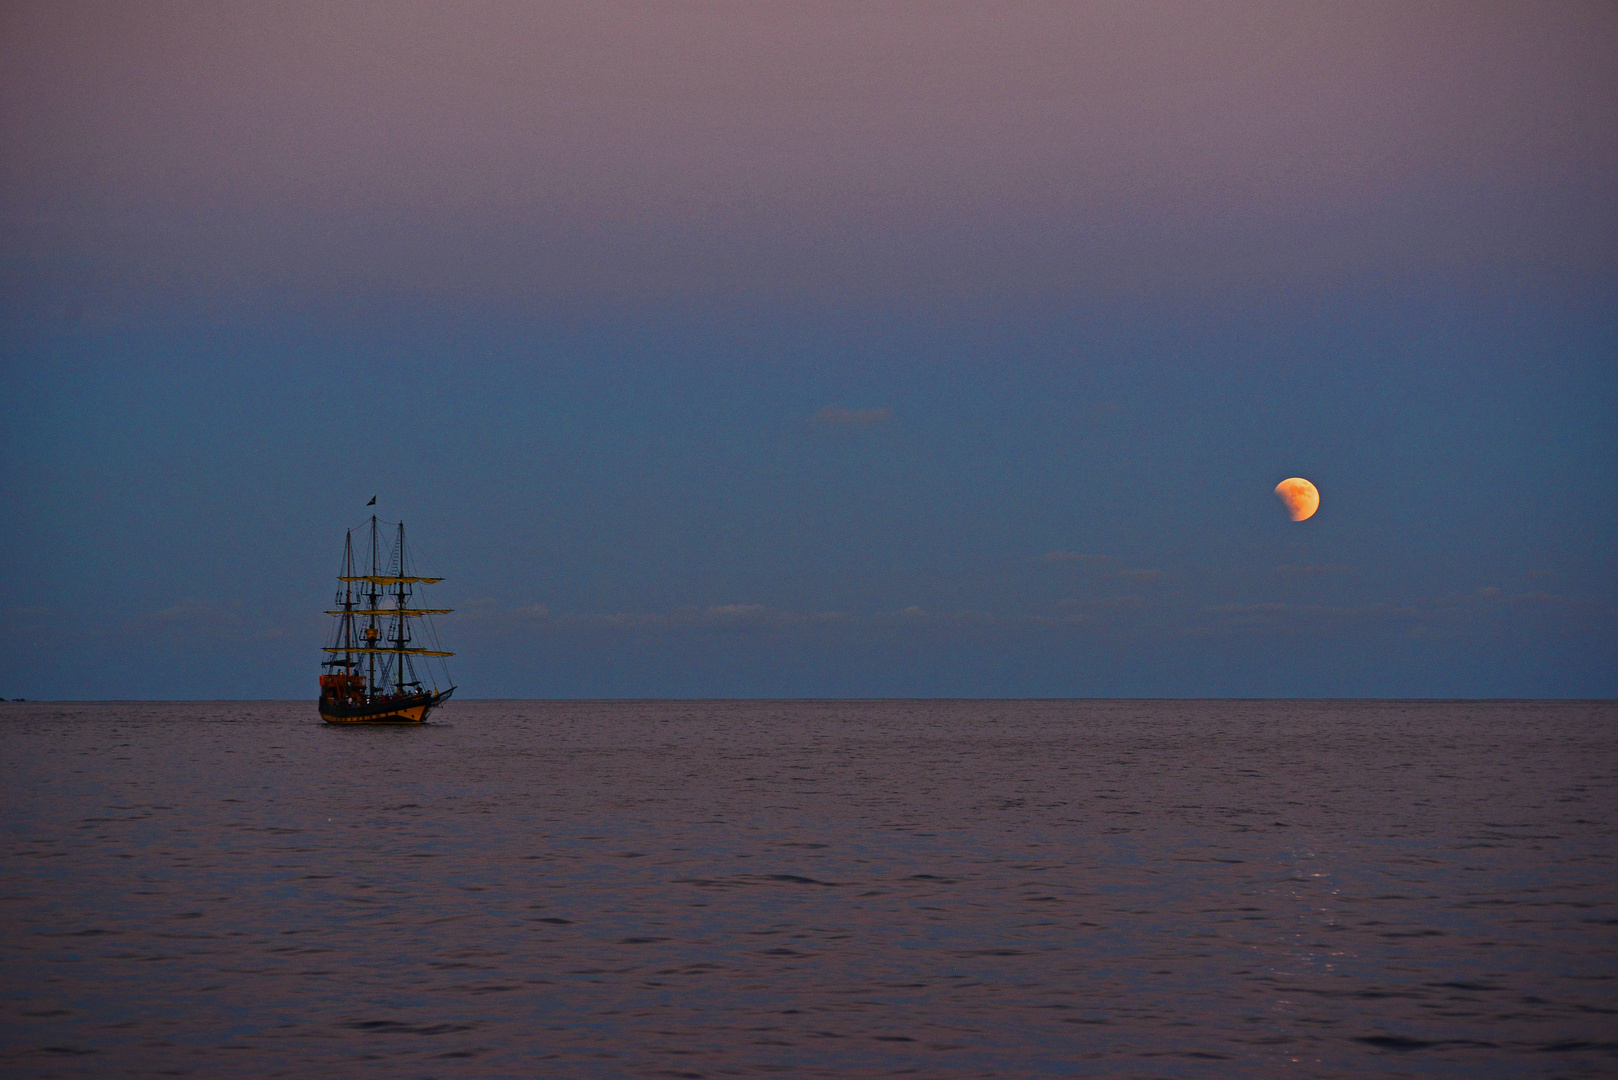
(360, 630)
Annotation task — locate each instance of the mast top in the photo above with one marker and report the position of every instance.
(381, 580)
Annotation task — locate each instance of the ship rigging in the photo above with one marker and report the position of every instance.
(379, 638)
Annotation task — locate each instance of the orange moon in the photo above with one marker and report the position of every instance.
(1300, 497)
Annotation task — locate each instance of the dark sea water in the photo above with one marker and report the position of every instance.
(919, 888)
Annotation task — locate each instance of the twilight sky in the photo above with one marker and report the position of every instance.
(815, 349)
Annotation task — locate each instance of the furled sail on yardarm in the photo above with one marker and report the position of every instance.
(378, 657)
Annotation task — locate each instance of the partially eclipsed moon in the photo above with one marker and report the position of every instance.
(1301, 497)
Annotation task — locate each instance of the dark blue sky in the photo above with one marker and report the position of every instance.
(887, 393)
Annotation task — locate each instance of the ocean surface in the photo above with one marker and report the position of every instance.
(820, 888)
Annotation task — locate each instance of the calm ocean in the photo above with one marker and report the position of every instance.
(820, 888)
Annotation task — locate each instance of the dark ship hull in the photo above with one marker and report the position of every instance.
(402, 709)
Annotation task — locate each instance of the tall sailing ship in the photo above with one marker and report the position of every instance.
(379, 641)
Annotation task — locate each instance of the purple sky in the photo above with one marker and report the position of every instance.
(1084, 280)
(832, 146)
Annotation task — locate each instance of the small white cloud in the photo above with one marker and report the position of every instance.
(842, 416)
(726, 617)
(1312, 570)
(1106, 603)
(196, 613)
(1070, 557)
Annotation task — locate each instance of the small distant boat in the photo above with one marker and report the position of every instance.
(376, 645)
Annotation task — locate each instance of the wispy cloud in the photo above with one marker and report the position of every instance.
(1140, 575)
(1071, 558)
(713, 617)
(201, 614)
(916, 616)
(762, 618)
(1312, 570)
(191, 619)
(842, 416)
(1436, 616)
(1106, 603)
(1135, 617)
